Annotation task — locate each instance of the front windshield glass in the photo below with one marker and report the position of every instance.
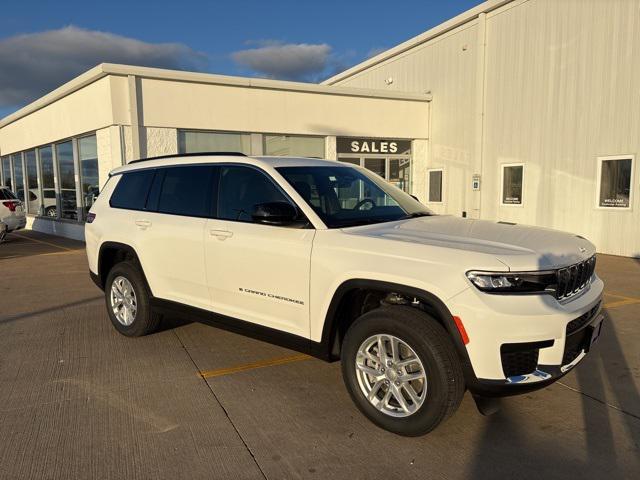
(345, 196)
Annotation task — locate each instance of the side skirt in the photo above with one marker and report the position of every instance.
(242, 327)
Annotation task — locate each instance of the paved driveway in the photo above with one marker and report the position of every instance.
(78, 400)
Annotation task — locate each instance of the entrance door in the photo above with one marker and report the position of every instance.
(396, 170)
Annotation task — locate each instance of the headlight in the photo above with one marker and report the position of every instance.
(514, 282)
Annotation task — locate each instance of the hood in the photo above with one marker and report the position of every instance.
(519, 247)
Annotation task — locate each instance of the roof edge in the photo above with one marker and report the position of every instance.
(430, 34)
(105, 69)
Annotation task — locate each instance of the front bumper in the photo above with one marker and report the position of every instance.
(524, 342)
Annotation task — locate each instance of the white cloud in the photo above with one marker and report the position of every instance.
(290, 61)
(34, 64)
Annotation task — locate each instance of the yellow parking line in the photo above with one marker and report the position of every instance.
(252, 366)
(619, 303)
(42, 241)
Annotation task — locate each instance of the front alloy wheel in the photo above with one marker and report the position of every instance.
(391, 375)
(401, 369)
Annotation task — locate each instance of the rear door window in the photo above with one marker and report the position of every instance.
(132, 189)
(186, 191)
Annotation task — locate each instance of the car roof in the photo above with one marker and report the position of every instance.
(191, 159)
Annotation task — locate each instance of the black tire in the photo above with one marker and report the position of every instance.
(51, 212)
(146, 321)
(434, 348)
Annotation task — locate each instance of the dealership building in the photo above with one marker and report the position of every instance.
(522, 111)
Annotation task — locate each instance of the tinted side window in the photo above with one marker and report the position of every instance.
(131, 191)
(186, 191)
(241, 189)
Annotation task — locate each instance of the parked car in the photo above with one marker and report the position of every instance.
(330, 259)
(11, 210)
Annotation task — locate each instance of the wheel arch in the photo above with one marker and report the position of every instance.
(111, 253)
(338, 307)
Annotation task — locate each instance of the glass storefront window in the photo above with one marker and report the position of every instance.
(66, 173)
(399, 173)
(376, 165)
(190, 141)
(88, 153)
(294, 145)
(33, 196)
(6, 172)
(45, 155)
(18, 176)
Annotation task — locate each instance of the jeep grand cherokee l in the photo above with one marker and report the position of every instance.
(329, 259)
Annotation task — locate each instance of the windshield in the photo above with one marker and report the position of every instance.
(345, 196)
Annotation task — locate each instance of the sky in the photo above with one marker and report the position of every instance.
(46, 43)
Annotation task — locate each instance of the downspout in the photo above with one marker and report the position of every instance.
(481, 71)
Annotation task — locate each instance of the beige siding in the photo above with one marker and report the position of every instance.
(446, 67)
(560, 88)
(223, 107)
(561, 91)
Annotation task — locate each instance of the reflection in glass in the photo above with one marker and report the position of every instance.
(88, 152)
(6, 171)
(34, 200)
(18, 176)
(294, 145)
(399, 173)
(45, 155)
(512, 185)
(376, 165)
(615, 183)
(64, 155)
(194, 141)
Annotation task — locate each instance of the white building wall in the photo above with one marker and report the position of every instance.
(446, 67)
(557, 88)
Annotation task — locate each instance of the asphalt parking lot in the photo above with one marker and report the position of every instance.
(78, 400)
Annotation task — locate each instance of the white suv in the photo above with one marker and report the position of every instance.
(329, 259)
(11, 210)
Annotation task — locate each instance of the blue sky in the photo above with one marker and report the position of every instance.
(44, 43)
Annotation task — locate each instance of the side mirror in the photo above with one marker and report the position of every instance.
(275, 213)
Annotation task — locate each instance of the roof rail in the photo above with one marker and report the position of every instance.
(195, 154)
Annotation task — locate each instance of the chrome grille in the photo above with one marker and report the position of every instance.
(574, 278)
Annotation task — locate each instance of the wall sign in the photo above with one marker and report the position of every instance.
(373, 145)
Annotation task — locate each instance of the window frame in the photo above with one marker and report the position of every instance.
(442, 184)
(600, 161)
(502, 169)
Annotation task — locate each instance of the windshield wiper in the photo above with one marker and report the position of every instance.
(416, 215)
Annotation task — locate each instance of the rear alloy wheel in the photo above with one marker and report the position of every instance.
(127, 297)
(402, 370)
(123, 301)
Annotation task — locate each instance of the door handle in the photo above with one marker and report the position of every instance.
(143, 224)
(221, 234)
